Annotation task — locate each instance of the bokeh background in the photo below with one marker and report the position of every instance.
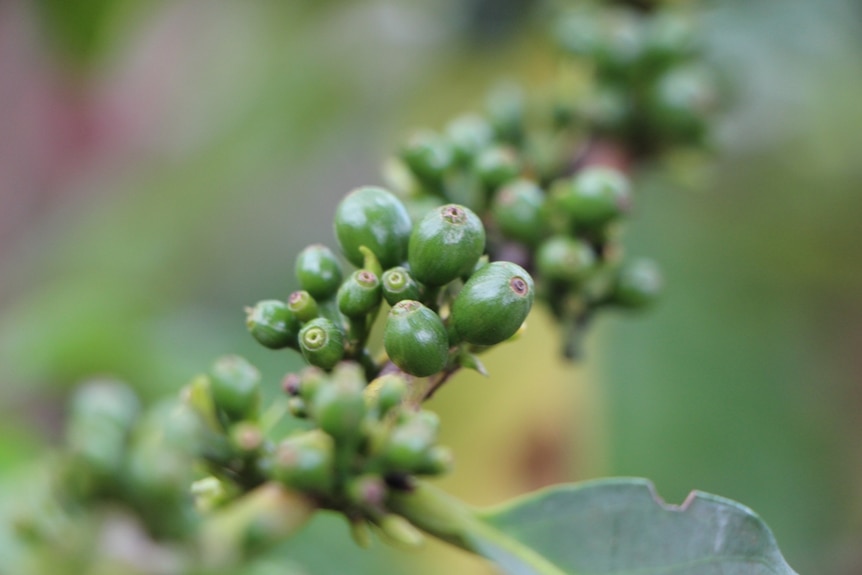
(161, 163)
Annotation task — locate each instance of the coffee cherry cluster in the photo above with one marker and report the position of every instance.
(650, 86)
(446, 300)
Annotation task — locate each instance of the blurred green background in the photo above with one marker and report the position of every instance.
(161, 163)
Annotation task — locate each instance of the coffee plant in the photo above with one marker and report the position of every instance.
(520, 204)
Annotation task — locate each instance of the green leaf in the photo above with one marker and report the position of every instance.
(604, 527)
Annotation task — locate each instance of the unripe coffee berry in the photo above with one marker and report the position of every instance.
(272, 324)
(415, 339)
(235, 388)
(318, 271)
(496, 166)
(305, 462)
(469, 135)
(374, 218)
(565, 259)
(321, 343)
(518, 209)
(427, 155)
(493, 303)
(339, 407)
(638, 284)
(303, 306)
(359, 294)
(445, 245)
(596, 196)
(399, 285)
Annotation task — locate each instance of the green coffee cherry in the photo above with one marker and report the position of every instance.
(427, 155)
(609, 108)
(497, 166)
(469, 135)
(272, 324)
(493, 303)
(360, 294)
(321, 343)
(235, 388)
(445, 245)
(415, 339)
(621, 44)
(596, 196)
(669, 37)
(305, 462)
(399, 285)
(437, 461)
(518, 210)
(506, 111)
(374, 218)
(680, 101)
(407, 447)
(638, 284)
(310, 380)
(246, 437)
(565, 259)
(303, 306)
(318, 271)
(339, 407)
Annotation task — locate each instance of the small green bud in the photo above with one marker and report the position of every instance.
(496, 166)
(318, 271)
(235, 388)
(445, 245)
(360, 294)
(638, 284)
(374, 218)
(596, 196)
(469, 135)
(565, 259)
(303, 306)
(339, 407)
(427, 155)
(518, 211)
(415, 339)
(399, 285)
(305, 462)
(321, 343)
(272, 324)
(493, 304)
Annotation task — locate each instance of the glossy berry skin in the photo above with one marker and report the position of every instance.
(321, 343)
(518, 208)
(235, 388)
(375, 218)
(272, 324)
(493, 304)
(565, 259)
(415, 339)
(360, 294)
(304, 462)
(399, 285)
(303, 306)
(318, 271)
(445, 245)
(497, 166)
(596, 196)
(427, 155)
(638, 284)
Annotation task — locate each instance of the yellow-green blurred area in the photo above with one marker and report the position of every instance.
(162, 162)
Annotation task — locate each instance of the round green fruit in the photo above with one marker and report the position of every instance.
(235, 388)
(565, 259)
(445, 245)
(496, 166)
(597, 195)
(360, 294)
(375, 218)
(272, 324)
(469, 135)
(321, 343)
(318, 271)
(518, 209)
(427, 155)
(638, 284)
(303, 306)
(399, 285)
(339, 407)
(493, 303)
(305, 462)
(415, 339)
